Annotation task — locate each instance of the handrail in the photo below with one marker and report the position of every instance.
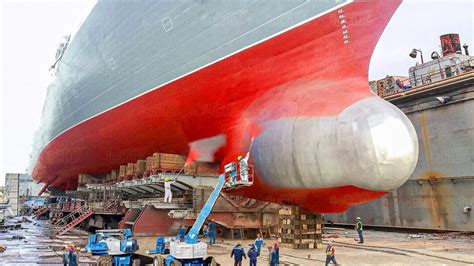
(71, 216)
(430, 77)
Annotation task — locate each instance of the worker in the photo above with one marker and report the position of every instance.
(212, 232)
(66, 255)
(243, 165)
(253, 254)
(238, 253)
(168, 193)
(205, 231)
(275, 255)
(181, 233)
(78, 252)
(330, 254)
(72, 257)
(259, 242)
(358, 227)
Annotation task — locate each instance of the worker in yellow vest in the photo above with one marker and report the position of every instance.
(358, 227)
(330, 254)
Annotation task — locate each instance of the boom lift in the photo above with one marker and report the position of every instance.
(192, 252)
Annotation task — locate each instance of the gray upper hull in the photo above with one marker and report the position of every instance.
(125, 48)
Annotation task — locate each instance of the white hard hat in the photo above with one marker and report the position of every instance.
(358, 218)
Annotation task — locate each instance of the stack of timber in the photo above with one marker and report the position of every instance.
(141, 166)
(174, 163)
(130, 172)
(114, 174)
(84, 179)
(168, 162)
(299, 229)
(153, 165)
(149, 163)
(202, 169)
(122, 172)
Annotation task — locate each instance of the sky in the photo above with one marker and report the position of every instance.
(31, 31)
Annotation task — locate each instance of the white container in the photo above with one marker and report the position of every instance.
(182, 250)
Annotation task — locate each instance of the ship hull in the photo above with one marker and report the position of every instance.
(215, 99)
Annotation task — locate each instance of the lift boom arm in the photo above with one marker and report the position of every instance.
(192, 236)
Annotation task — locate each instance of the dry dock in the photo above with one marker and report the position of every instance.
(36, 243)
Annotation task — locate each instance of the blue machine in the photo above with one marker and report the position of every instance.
(117, 243)
(160, 247)
(125, 260)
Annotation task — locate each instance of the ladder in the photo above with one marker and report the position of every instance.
(71, 220)
(40, 211)
(108, 207)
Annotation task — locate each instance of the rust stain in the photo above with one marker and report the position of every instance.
(426, 140)
(431, 175)
(438, 205)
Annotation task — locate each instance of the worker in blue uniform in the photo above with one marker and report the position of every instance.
(238, 253)
(205, 231)
(259, 242)
(212, 232)
(275, 255)
(66, 256)
(253, 254)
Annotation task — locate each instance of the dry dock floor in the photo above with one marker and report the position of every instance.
(35, 243)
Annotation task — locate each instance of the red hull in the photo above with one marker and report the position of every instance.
(212, 101)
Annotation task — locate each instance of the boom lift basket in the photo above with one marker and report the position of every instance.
(234, 179)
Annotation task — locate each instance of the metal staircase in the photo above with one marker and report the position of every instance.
(71, 220)
(40, 211)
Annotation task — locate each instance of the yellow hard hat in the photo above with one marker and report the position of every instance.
(239, 157)
(167, 178)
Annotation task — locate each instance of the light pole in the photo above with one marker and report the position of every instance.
(414, 52)
(435, 56)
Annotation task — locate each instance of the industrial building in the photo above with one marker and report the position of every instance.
(20, 188)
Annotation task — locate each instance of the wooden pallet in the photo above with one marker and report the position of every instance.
(299, 229)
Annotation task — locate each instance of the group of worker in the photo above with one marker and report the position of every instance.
(331, 251)
(71, 255)
(238, 253)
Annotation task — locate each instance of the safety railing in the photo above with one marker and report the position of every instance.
(233, 178)
(440, 74)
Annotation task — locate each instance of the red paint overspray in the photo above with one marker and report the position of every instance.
(226, 98)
